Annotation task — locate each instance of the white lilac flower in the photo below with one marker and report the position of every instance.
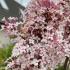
(10, 65)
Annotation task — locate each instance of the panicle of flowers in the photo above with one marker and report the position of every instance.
(45, 36)
(10, 25)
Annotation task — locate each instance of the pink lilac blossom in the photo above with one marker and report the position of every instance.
(10, 25)
(44, 37)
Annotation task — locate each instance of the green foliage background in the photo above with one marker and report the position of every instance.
(4, 54)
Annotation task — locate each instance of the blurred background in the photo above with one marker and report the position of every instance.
(12, 7)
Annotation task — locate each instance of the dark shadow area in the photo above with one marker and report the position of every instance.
(14, 9)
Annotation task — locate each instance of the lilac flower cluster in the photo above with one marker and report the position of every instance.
(44, 40)
(10, 25)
